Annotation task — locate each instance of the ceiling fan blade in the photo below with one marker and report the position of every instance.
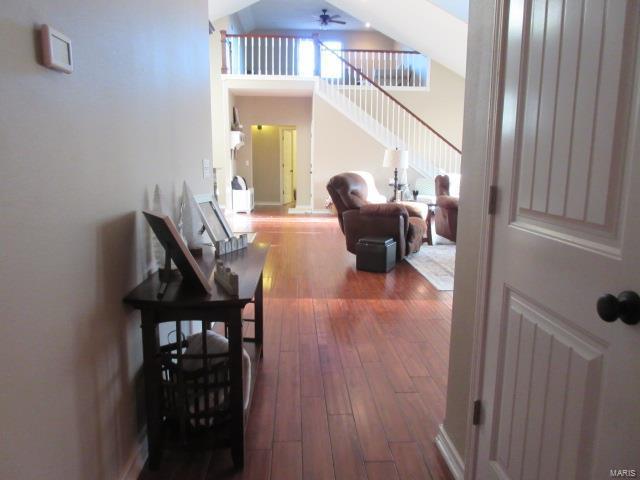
(338, 21)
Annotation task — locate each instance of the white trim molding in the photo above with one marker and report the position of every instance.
(307, 210)
(268, 204)
(450, 454)
(138, 458)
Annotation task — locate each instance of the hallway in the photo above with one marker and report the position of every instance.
(354, 374)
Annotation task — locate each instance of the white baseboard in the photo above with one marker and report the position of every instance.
(308, 209)
(450, 454)
(268, 204)
(136, 462)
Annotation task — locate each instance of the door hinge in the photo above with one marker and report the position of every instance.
(493, 199)
(477, 412)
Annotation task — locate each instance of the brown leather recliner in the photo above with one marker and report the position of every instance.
(359, 218)
(446, 217)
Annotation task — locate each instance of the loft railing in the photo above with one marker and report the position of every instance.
(390, 68)
(356, 87)
(289, 55)
(430, 153)
(263, 54)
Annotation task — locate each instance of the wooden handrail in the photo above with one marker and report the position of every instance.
(373, 50)
(267, 35)
(384, 92)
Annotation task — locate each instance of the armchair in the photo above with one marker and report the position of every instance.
(446, 217)
(359, 218)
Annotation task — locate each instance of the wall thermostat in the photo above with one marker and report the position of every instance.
(56, 50)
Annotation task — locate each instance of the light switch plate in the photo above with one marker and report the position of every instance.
(206, 168)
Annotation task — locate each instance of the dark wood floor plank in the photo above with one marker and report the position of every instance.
(307, 324)
(317, 460)
(288, 425)
(345, 447)
(382, 471)
(424, 426)
(261, 421)
(388, 404)
(290, 321)
(409, 461)
(410, 358)
(286, 463)
(321, 315)
(371, 433)
(310, 371)
(336, 393)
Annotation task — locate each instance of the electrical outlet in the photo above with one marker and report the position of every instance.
(206, 168)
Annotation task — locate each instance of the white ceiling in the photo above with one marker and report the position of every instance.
(222, 8)
(293, 15)
(457, 8)
(419, 24)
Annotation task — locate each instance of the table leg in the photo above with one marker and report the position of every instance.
(429, 234)
(150, 342)
(259, 314)
(236, 397)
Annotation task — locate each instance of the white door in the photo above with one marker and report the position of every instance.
(288, 146)
(561, 387)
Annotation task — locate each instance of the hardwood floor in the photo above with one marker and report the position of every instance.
(355, 366)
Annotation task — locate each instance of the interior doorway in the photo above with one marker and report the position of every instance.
(274, 159)
(288, 141)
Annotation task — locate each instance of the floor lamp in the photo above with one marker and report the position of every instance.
(396, 159)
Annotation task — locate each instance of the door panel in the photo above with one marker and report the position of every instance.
(559, 385)
(570, 135)
(287, 165)
(547, 372)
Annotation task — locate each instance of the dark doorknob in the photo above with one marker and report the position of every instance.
(626, 307)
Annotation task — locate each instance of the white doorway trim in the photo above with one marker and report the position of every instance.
(294, 165)
(488, 21)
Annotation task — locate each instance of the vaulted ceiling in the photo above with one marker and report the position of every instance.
(437, 28)
(420, 24)
(294, 15)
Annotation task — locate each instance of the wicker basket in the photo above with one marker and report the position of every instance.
(193, 402)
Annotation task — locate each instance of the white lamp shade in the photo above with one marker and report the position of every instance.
(395, 158)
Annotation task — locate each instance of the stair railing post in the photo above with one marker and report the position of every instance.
(317, 57)
(223, 45)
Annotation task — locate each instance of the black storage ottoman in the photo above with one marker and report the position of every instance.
(375, 254)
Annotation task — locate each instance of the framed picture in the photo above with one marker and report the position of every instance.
(214, 221)
(174, 245)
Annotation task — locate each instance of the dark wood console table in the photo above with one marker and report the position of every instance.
(180, 302)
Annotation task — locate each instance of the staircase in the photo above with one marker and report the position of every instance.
(351, 91)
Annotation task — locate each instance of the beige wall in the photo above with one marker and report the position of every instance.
(221, 114)
(472, 218)
(291, 111)
(340, 146)
(80, 155)
(442, 106)
(265, 147)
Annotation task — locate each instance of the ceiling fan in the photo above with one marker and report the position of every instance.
(326, 19)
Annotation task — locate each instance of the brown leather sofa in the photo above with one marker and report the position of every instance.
(359, 218)
(446, 218)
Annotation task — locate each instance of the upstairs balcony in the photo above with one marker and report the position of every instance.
(269, 55)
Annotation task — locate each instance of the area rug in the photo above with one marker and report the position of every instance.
(435, 263)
